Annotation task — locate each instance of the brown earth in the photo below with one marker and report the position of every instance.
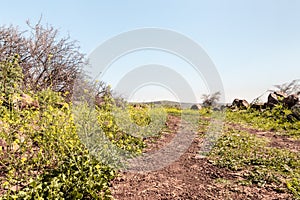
(276, 140)
(194, 177)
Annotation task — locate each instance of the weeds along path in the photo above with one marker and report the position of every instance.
(189, 177)
(276, 139)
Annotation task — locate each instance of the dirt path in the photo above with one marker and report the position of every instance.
(189, 177)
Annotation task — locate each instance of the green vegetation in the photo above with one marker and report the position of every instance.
(204, 112)
(275, 119)
(53, 149)
(41, 154)
(252, 157)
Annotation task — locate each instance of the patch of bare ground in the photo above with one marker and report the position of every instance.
(189, 177)
(276, 140)
(154, 143)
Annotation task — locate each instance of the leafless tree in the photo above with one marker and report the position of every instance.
(288, 88)
(93, 92)
(46, 59)
(211, 99)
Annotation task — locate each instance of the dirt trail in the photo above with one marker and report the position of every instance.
(189, 177)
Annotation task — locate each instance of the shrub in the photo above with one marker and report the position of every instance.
(47, 61)
(42, 156)
(10, 79)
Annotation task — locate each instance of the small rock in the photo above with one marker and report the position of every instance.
(296, 111)
(240, 103)
(196, 107)
(291, 100)
(272, 100)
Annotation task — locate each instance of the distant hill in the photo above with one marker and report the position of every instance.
(167, 103)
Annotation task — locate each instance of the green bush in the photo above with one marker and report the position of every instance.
(11, 78)
(43, 158)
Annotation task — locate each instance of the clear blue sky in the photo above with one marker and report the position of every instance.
(254, 44)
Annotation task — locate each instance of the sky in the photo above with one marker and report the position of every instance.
(254, 44)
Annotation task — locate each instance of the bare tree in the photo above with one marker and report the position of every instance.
(93, 92)
(46, 59)
(211, 99)
(288, 88)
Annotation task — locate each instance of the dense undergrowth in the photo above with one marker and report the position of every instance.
(42, 156)
(45, 158)
(41, 153)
